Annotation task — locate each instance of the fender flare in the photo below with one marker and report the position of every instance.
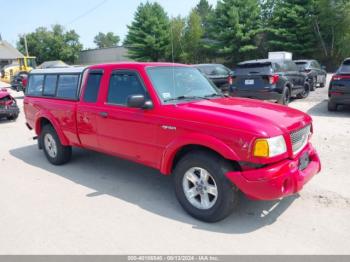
(49, 117)
(195, 139)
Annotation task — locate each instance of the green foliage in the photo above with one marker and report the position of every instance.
(176, 47)
(290, 28)
(193, 38)
(54, 44)
(148, 37)
(331, 24)
(106, 40)
(204, 10)
(233, 29)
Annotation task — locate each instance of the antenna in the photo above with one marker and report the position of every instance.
(172, 56)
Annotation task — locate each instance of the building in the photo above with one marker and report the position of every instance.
(103, 55)
(8, 54)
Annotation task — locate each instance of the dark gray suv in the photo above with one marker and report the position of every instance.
(267, 79)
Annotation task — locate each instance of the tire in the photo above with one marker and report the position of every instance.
(55, 152)
(211, 208)
(285, 98)
(305, 93)
(13, 117)
(332, 106)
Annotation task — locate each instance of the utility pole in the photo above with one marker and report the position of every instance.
(25, 44)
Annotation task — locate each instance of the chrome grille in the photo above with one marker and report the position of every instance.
(299, 138)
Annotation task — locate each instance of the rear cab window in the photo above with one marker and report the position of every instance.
(67, 87)
(60, 85)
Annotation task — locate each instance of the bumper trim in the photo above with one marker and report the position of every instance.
(277, 180)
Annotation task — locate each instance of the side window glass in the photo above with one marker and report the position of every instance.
(50, 85)
(35, 85)
(67, 86)
(122, 85)
(92, 87)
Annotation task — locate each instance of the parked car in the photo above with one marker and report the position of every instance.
(171, 118)
(18, 81)
(317, 74)
(269, 79)
(339, 87)
(219, 74)
(8, 106)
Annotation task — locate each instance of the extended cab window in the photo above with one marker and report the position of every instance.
(50, 85)
(92, 87)
(122, 85)
(67, 86)
(35, 85)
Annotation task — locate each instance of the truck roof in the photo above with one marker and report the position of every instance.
(62, 70)
(80, 69)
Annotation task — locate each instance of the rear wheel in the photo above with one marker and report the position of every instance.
(305, 93)
(55, 152)
(285, 98)
(202, 188)
(332, 106)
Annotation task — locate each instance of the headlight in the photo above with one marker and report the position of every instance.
(270, 147)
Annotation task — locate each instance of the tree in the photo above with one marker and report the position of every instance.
(291, 28)
(204, 10)
(106, 40)
(148, 37)
(193, 38)
(234, 25)
(54, 44)
(176, 47)
(331, 26)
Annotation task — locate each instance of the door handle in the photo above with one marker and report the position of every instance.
(103, 114)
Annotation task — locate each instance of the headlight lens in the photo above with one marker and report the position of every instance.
(270, 147)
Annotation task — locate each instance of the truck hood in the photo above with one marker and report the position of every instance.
(264, 118)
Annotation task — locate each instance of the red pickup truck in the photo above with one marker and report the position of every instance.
(172, 118)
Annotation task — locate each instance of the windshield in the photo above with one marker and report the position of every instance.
(178, 83)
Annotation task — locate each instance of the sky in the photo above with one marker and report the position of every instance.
(86, 17)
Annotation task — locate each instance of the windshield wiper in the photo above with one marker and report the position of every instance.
(214, 95)
(186, 98)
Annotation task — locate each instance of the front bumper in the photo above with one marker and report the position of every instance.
(278, 180)
(10, 111)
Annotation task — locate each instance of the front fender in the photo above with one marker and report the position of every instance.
(47, 115)
(210, 142)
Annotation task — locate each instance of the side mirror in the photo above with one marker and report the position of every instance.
(139, 101)
(324, 67)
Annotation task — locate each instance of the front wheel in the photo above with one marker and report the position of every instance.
(202, 188)
(12, 117)
(55, 152)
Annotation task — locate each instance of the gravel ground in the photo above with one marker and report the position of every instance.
(98, 204)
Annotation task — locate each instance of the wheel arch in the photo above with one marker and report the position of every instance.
(43, 120)
(183, 145)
